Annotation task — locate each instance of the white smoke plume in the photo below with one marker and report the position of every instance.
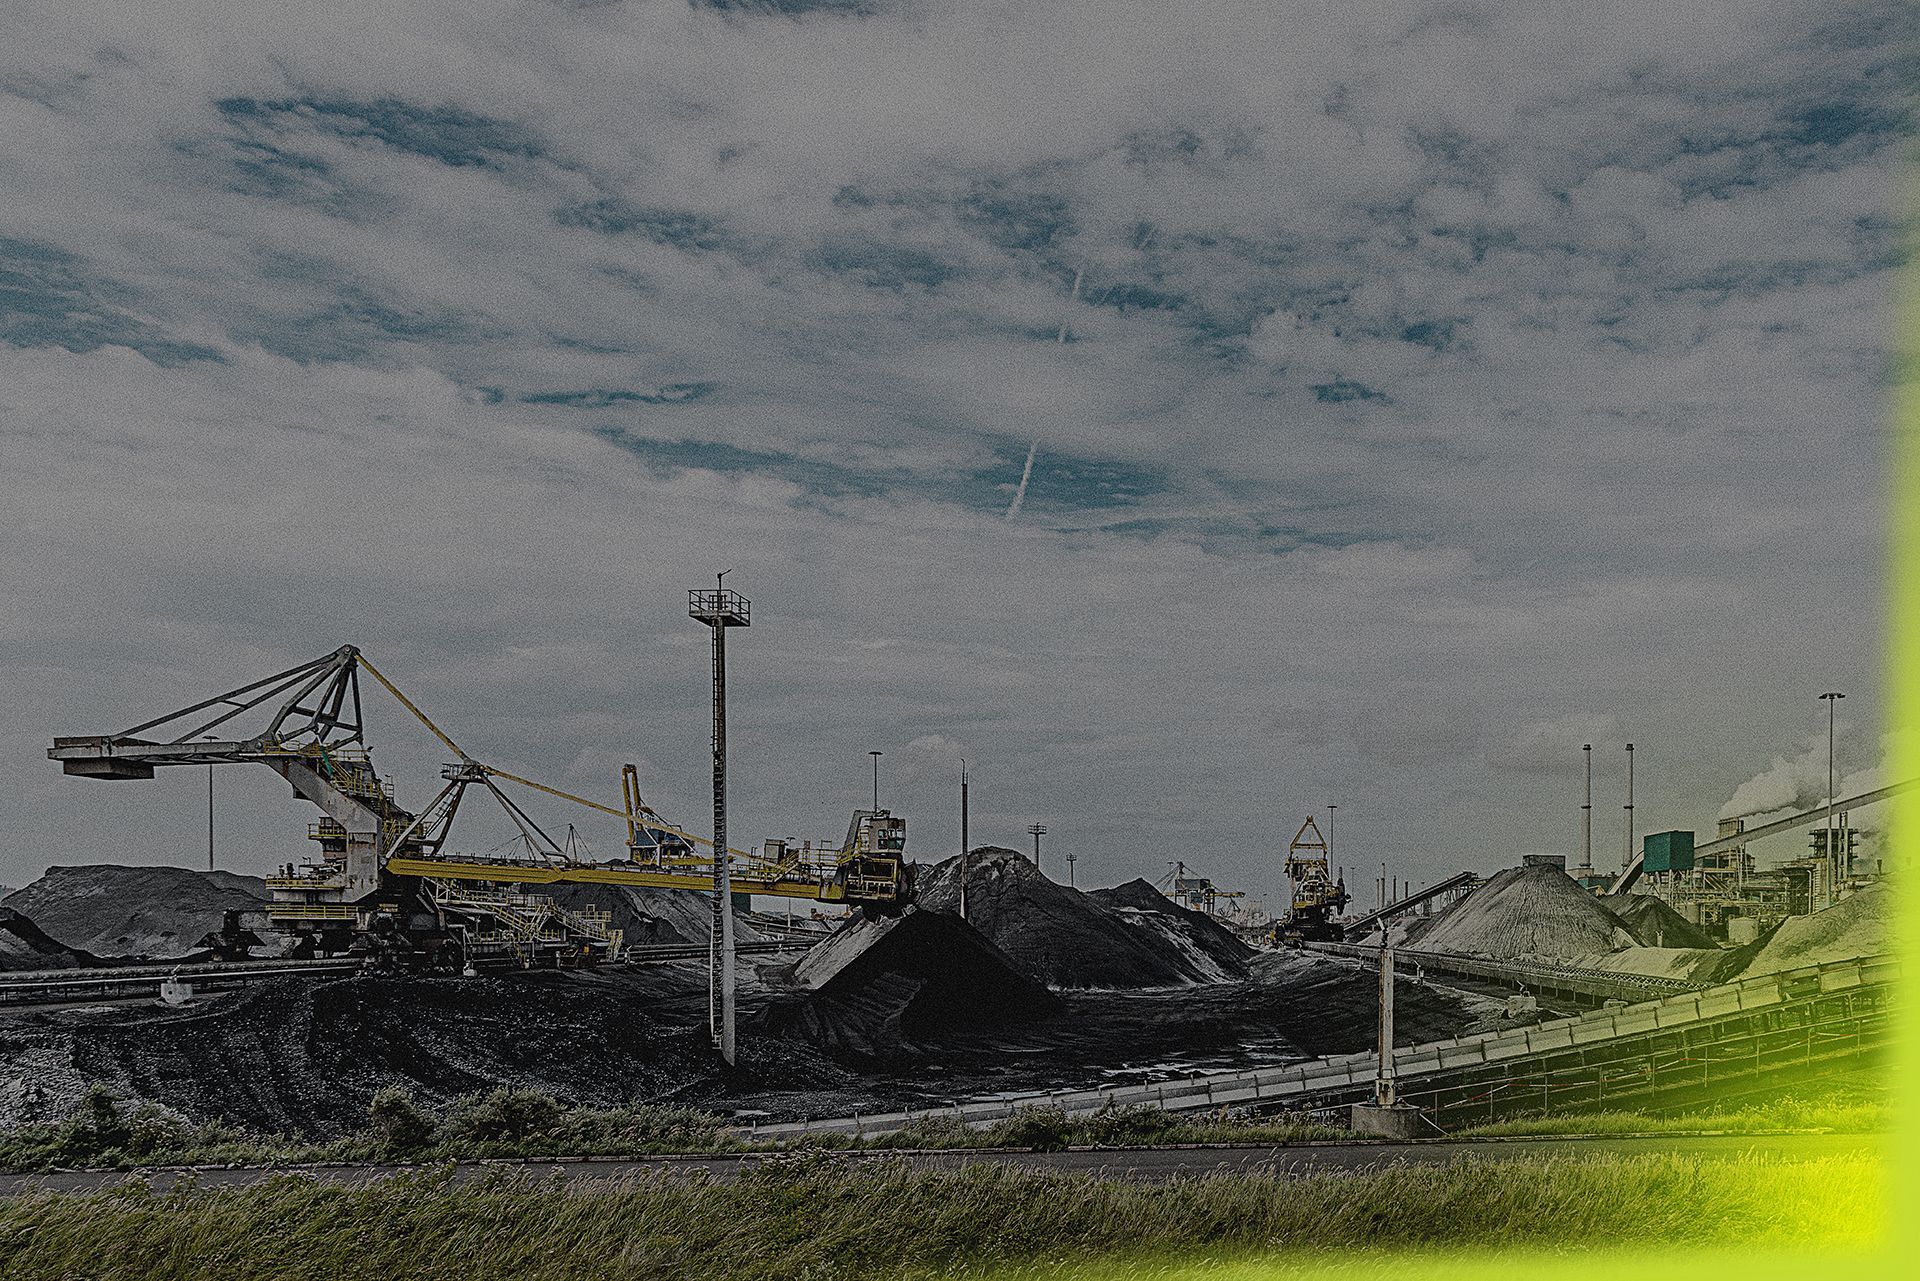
(1798, 783)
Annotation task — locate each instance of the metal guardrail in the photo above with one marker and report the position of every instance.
(1298, 1085)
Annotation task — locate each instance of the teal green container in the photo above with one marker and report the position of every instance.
(1667, 852)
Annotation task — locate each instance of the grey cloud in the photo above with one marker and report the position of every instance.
(1428, 378)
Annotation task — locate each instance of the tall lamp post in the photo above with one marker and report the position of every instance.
(963, 838)
(1036, 831)
(1831, 699)
(720, 609)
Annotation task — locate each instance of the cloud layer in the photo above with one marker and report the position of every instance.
(1444, 388)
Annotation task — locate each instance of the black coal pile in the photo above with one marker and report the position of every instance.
(304, 1057)
(144, 912)
(1209, 943)
(25, 946)
(1059, 936)
(1655, 923)
(650, 915)
(878, 989)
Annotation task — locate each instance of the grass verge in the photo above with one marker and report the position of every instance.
(811, 1216)
(105, 1133)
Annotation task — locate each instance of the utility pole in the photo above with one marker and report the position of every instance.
(1833, 867)
(720, 609)
(1586, 818)
(1070, 859)
(1384, 1093)
(1628, 860)
(876, 780)
(1036, 830)
(964, 851)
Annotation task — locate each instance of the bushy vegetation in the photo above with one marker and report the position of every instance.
(814, 1215)
(1045, 1129)
(509, 1123)
(104, 1132)
(1837, 1113)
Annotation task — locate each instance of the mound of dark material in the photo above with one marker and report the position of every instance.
(1138, 903)
(25, 946)
(1655, 923)
(650, 915)
(880, 988)
(155, 912)
(303, 1057)
(1059, 936)
(1534, 912)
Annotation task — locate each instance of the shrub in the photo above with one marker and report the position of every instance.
(1037, 1129)
(94, 1130)
(399, 1128)
(504, 1116)
(1122, 1126)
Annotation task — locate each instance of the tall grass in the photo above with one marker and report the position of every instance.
(815, 1216)
(504, 1123)
(1835, 1113)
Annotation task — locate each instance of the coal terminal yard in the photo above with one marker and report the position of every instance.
(901, 1014)
(969, 988)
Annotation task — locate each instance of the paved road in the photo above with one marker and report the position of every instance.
(1148, 1164)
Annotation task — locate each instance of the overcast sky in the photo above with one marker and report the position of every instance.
(1415, 394)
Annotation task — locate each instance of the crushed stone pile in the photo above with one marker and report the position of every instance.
(25, 946)
(1855, 926)
(1527, 913)
(1208, 943)
(1694, 964)
(879, 988)
(651, 915)
(1655, 923)
(140, 912)
(1061, 937)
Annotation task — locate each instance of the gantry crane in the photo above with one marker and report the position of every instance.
(1316, 896)
(386, 878)
(1191, 890)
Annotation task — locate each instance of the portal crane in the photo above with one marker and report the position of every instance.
(386, 878)
(1316, 896)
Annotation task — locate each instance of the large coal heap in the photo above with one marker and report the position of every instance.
(878, 989)
(25, 946)
(1064, 938)
(1655, 923)
(1138, 903)
(303, 1057)
(1534, 912)
(156, 912)
(646, 915)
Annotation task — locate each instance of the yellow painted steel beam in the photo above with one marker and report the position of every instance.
(582, 874)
